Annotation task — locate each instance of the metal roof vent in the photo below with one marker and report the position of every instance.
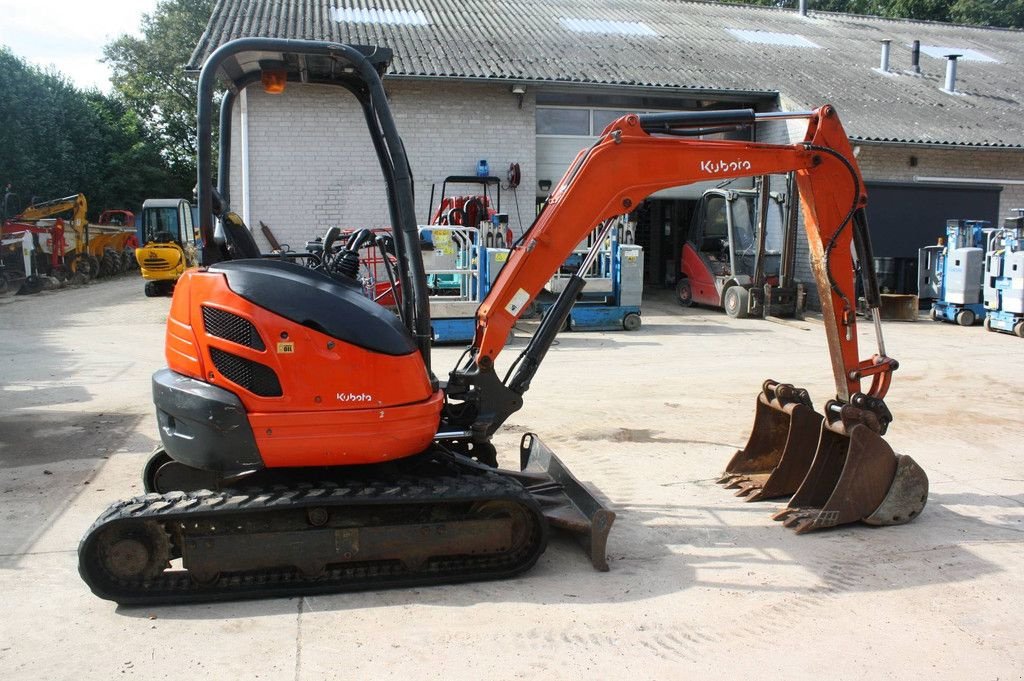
(395, 17)
(915, 58)
(769, 38)
(950, 85)
(883, 66)
(608, 27)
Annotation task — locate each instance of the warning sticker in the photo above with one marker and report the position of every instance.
(500, 257)
(519, 300)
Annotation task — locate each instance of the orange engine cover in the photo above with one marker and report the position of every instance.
(312, 398)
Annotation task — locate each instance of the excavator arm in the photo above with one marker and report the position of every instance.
(836, 466)
(631, 161)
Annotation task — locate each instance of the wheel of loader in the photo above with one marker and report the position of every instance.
(151, 289)
(114, 258)
(94, 265)
(130, 552)
(736, 300)
(127, 260)
(965, 318)
(631, 322)
(684, 293)
(1018, 329)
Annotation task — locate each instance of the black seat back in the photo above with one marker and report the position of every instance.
(238, 238)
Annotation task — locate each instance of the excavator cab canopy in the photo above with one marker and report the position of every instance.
(275, 64)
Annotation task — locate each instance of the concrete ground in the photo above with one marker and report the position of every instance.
(702, 585)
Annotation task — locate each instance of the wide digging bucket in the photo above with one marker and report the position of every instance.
(781, 445)
(855, 476)
(565, 502)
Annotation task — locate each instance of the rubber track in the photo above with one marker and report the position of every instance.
(176, 587)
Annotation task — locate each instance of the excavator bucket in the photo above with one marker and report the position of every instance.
(855, 476)
(781, 445)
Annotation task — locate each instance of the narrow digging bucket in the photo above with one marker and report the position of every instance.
(855, 476)
(780, 448)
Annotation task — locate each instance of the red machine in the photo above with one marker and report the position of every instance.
(307, 445)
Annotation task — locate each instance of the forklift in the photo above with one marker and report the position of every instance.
(740, 253)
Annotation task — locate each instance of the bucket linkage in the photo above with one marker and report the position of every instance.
(855, 475)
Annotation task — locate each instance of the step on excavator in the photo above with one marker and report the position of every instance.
(307, 446)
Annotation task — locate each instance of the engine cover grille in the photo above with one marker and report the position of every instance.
(257, 378)
(230, 326)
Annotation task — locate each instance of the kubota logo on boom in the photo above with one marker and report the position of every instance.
(723, 166)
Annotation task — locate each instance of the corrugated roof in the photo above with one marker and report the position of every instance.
(692, 48)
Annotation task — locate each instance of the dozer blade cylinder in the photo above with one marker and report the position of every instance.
(855, 476)
(780, 448)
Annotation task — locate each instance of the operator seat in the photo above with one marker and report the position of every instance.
(238, 238)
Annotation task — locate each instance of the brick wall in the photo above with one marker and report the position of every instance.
(312, 164)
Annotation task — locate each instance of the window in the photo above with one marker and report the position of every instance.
(602, 117)
(563, 121)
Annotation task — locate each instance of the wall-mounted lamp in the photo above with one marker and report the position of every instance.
(519, 91)
(544, 185)
(274, 76)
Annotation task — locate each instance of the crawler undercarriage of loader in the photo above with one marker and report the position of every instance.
(308, 447)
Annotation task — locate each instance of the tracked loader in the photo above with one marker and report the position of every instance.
(307, 445)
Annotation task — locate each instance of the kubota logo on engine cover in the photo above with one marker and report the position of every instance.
(723, 166)
(354, 397)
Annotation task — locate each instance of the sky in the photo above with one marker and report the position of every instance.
(69, 34)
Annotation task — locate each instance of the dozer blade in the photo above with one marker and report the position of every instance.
(781, 445)
(855, 476)
(564, 501)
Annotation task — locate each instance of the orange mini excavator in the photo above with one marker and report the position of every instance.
(308, 447)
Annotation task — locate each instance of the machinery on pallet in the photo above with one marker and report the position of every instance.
(168, 244)
(307, 445)
(952, 273)
(740, 253)
(615, 282)
(1004, 277)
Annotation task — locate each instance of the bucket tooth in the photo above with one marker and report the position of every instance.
(855, 475)
(781, 445)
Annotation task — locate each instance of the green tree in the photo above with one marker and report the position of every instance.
(148, 73)
(56, 140)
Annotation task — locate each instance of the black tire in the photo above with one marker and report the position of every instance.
(965, 318)
(736, 301)
(94, 266)
(684, 292)
(631, 322)
(1018, 329)
(151, 290)
(933, 315)
(987, 323)
(31, 285)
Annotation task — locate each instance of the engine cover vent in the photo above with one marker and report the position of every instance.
(230, 326)
(257, 378)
